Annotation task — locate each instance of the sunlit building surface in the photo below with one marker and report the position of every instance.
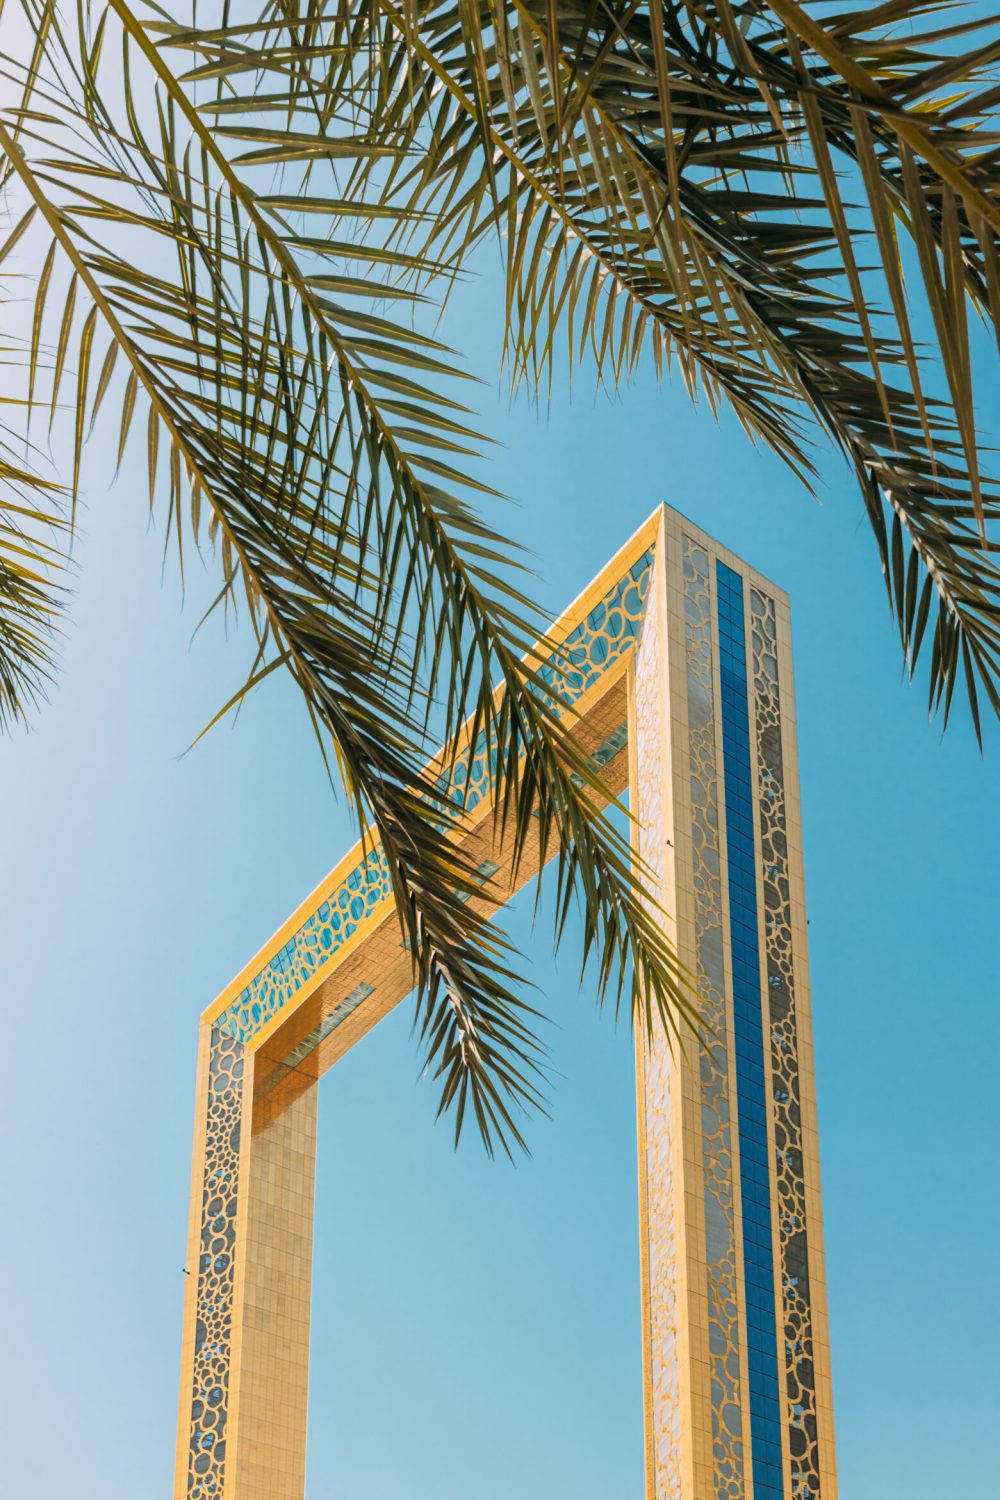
(677, 662)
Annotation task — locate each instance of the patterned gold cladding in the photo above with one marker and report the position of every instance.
(713, 1059)
(800, 1380)
(211, 1355)
(245, 1354)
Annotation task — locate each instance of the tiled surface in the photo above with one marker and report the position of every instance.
(271, 1394)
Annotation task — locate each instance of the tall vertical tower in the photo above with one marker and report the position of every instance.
(737, 1382)
(676, 663)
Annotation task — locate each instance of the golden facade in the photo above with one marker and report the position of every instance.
(677, 662)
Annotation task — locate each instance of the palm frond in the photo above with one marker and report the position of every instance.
(243, 222)
(317, 441)
(32, 561)
(34, 537)
(672, 177)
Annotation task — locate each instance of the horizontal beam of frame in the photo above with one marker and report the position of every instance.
(307, 996)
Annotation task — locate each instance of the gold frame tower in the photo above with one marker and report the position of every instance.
(677, 661)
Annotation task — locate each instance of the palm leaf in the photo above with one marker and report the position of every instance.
(636, 150)
(665, 178)
(320, 442)
(32, 560)
(34, 534)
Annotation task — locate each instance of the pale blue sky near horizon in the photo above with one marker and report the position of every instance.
(476, 1327)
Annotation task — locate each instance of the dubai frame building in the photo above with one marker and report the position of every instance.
(677, 663)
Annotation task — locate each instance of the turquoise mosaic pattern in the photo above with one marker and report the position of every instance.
(586, 654)
(317, 940)
(588, 651)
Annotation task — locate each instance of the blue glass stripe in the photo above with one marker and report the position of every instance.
(748, 1040)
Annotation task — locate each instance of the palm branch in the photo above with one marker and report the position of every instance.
(664, 178)
(34, 538)
(318, 443)
(667, 176)
(33, 558)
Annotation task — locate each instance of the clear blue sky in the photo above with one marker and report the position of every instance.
(476, 1330)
